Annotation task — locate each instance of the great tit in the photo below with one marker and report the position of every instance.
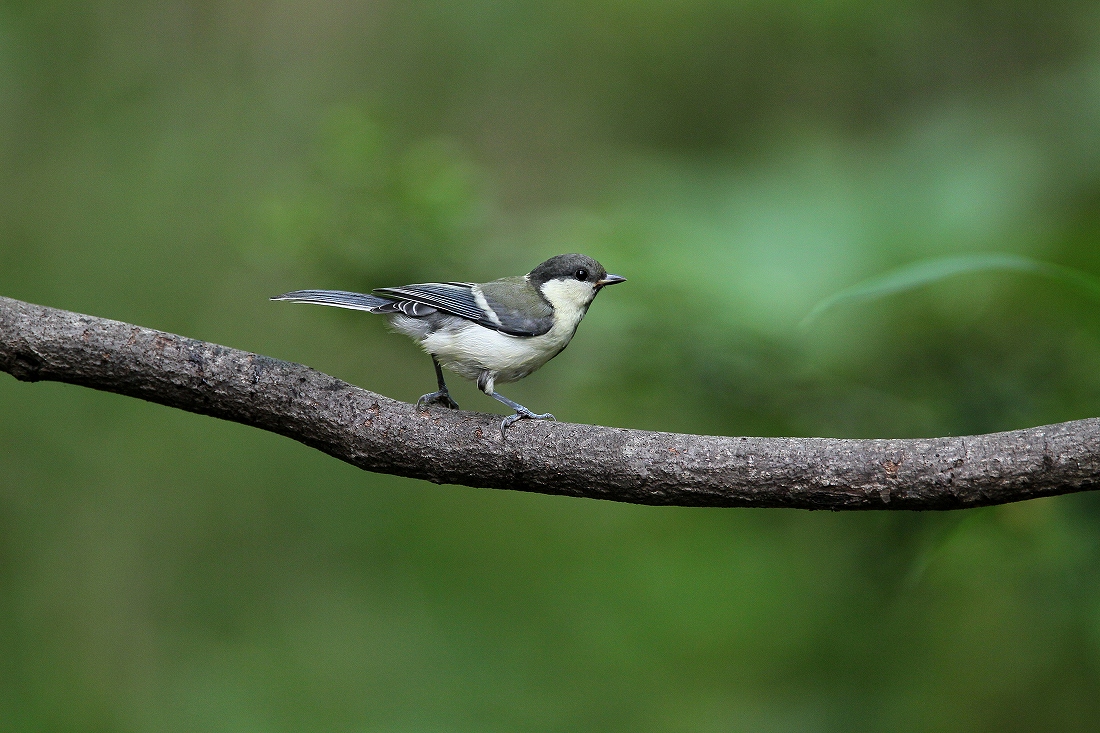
(495, 332)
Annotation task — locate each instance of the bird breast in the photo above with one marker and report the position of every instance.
(468, 349)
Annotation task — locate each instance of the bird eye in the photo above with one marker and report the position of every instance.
(582, 274)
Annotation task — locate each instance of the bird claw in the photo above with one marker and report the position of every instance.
(441, 398)
(526, 415)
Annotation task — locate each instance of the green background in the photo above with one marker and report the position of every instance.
(173, 164)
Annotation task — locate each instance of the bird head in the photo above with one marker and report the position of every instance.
(572, 280)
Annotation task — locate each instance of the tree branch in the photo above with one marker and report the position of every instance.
(444, 446)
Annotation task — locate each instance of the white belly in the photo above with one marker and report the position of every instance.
(470, 349)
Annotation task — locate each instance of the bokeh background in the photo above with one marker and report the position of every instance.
(173, 163)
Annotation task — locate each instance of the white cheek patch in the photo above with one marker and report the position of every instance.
(570, 298)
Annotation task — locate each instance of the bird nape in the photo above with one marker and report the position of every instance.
(494, 332)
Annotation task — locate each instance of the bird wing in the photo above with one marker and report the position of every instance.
(502, 305)
(454, 298)
(517, 307)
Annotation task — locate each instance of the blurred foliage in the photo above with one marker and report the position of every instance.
(368, 209)
(918, 274)
(174, 163)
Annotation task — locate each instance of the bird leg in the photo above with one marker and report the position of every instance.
(442, 397)
(521, 412)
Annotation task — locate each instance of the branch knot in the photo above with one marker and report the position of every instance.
(26, 366)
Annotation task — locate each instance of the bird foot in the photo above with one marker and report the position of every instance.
(524, 414)
(441, 398)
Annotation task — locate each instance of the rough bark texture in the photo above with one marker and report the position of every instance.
(444, 446)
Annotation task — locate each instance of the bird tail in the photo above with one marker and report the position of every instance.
(358, 302)
(341, 299)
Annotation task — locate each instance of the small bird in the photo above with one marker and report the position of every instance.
(495, 332)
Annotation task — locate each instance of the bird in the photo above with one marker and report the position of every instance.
(492, 333)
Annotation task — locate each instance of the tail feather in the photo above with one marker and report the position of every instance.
(358, 302)
(340, 299)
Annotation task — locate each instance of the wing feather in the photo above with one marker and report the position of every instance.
(455, 298)
(509, 305)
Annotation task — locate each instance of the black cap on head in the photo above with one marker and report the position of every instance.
(571, 266)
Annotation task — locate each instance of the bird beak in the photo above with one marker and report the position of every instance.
(610, 280)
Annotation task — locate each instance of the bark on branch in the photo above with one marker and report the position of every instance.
(444, 446)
